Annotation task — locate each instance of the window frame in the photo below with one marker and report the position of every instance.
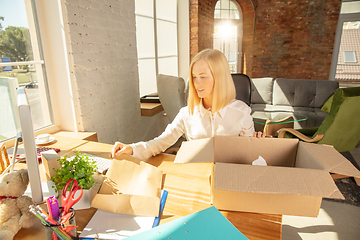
(158, 20)
(239, 24)
(347, 17)
(350, 61)
(57, 66)
(39, 64)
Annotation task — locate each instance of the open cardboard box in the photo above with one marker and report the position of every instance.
(294, 183)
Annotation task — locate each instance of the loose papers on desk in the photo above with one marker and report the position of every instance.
(108, 225)
(130, 188)
(207, 224)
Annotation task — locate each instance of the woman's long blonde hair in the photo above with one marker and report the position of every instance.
(224, 89)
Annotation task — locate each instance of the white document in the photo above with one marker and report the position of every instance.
(108, 225)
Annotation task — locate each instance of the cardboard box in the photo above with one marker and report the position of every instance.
(294, 183)
(50, 161)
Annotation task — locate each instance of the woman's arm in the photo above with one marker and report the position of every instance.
(173, 131)
(248, 128)
(144, 150)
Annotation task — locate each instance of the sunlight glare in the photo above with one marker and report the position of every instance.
(225, 31)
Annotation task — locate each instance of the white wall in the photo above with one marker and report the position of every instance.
(104, 67)
(183, 38)
(91, 62)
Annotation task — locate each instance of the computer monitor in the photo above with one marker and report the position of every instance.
(28, 136)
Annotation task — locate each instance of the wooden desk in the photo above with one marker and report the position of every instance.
(189, 192)
(151, 109)
(88, 136)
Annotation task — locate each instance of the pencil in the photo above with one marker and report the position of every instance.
(61, 234)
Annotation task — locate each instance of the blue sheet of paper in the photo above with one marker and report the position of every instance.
(205, 224)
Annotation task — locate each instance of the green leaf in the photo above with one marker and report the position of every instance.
(80, 168)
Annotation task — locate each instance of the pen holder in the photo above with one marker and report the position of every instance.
(67, 229)
(71, 223)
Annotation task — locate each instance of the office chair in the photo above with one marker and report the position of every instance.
(243, 87)
(171, 91)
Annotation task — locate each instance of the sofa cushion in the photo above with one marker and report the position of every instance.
(314, 115)
(261, 90)
(271, 108)
(302, 92)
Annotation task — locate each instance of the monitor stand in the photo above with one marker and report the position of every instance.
(47, 189)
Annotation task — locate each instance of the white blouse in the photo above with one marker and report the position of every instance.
(232, 120)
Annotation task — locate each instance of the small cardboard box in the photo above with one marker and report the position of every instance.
(50, 161)
(294, 183)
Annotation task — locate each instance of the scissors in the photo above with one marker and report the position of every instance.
(69, 200)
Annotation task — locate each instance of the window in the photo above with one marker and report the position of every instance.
(350, 57)
(344, 63)
(21, 64)
(226, 9)
(228, 32)
(350, 7)
(156, 36)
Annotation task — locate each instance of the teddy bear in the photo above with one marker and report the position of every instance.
(14, 206)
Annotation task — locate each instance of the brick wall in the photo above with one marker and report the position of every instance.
(194, 27)
(294, 39)
(248, 13)
(202, 28)
(104, 72)
(206, 23)
(282, 38)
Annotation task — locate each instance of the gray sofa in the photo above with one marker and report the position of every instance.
(301, 96)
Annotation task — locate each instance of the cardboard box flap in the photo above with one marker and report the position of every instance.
(247, 149)
(130, 188)
(200, 150)
(277, 180)
(332, 160)
(235, 149)
(305, 159)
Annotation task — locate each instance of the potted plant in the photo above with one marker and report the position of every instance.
(81, 168)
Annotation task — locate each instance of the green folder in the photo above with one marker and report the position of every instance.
(205, 224)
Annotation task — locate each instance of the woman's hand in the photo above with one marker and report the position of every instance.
(120, 148)
(261, 135)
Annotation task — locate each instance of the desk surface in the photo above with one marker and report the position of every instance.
(150, 109)
(189, 192)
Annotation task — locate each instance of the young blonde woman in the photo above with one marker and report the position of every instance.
(212, 109)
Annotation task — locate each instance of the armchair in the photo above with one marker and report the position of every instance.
(340, 128)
